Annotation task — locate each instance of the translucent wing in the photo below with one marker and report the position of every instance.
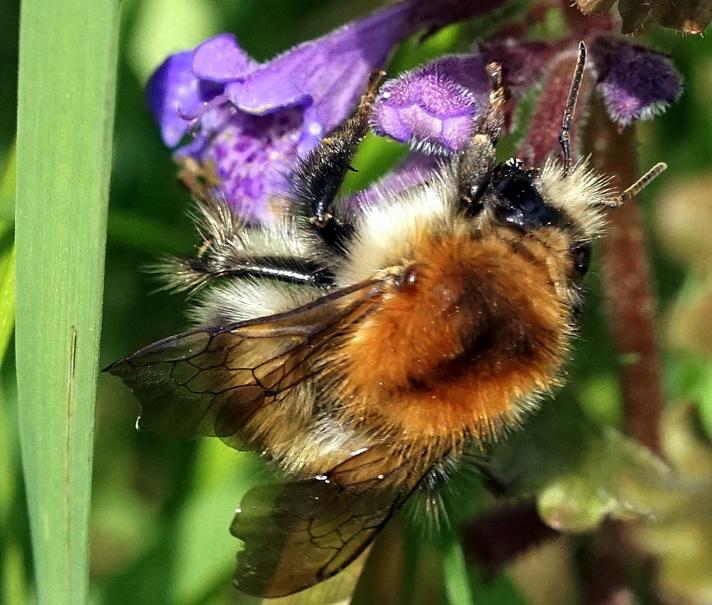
(211, 382)
(300, 533)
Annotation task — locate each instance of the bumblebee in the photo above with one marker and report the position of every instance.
(365, 352)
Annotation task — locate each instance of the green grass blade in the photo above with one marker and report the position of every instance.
(457, 582)
(7, 189)
(12, 577)
(7, 299)
(67, 82)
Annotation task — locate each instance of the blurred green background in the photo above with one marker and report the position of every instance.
(161, 509)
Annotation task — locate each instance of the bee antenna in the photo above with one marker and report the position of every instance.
(565, 136)
(639, 185)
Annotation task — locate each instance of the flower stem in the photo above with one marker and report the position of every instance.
(627, 284)
(543, 135)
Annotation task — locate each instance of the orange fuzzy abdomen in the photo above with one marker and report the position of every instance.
(461, 348)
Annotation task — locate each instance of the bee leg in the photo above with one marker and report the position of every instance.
(200, 179)
(493, 123)
(318, 177)
(475, 164)
(190, 274)
(293, 270)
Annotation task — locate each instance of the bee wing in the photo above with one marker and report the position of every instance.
(211, 382)
(299, 533)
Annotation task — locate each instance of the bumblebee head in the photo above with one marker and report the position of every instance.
(516, 201)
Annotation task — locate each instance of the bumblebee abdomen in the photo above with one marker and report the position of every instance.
(466, 342)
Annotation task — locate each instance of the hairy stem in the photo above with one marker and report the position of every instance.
(543, 136)
(608, 583)
(498, 537)
(627, 285)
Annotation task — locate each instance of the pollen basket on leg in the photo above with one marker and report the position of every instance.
(465, 347)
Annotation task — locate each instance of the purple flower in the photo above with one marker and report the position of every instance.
(635, 82)
(174, 92)
(253, 120)
(436, 108)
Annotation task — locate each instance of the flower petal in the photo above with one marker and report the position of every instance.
(329, 73)
(173, 92)
(220, 59)
(250, 155)
(635, 82)
(435, 107)
(252, 122)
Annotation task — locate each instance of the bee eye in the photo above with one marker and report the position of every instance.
(520, 204)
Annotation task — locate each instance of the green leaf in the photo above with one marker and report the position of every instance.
(691, 378)
(680, 538)
(67, 81)
(579, 472)
(605, 484)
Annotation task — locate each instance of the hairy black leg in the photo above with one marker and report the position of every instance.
(493, 123)
(475, 164)
(318, 177)
(192, 273)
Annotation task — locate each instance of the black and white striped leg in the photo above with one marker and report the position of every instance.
(192, 273)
